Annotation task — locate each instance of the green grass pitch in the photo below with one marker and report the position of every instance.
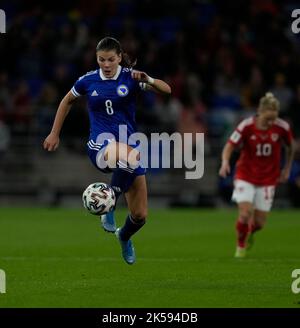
(62, 258)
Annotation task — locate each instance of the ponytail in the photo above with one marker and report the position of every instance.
(127, 61)
(269, 102)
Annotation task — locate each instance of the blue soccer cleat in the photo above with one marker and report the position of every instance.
(108, 222)
(127, 248)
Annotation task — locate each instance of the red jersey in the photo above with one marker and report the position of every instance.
(259, 161)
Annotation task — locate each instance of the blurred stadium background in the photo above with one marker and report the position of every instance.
(219, 57)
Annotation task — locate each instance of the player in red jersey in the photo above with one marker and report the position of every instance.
(260, 140)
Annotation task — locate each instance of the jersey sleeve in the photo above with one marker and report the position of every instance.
(142, 86)
(287, 135)
(236, 137)
(240, 133)
(79, 88)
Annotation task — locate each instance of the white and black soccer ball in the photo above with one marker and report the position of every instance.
(99, 198)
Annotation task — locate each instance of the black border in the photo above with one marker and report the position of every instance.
(93, 317)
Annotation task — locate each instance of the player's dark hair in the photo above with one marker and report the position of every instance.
(109, 43)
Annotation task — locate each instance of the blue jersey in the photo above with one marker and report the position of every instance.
(111, 102)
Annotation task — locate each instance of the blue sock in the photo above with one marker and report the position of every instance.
(121, 181)
(130, 227)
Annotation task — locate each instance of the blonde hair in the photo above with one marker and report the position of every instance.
(269, 102)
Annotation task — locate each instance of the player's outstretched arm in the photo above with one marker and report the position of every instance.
(226, 155)
(51, 143)
(151, 84)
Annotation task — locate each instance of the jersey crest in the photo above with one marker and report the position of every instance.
(274, 137)
(122, 90)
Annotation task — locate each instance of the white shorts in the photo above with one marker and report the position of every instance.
(260, 196)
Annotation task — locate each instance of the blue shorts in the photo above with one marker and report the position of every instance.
(123, 176)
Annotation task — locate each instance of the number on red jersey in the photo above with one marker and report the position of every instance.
(263, 149)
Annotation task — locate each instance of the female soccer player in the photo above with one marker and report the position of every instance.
(111, 93)
(258, 169)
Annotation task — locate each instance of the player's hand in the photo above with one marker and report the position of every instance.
(51, 143)
(140, 76)
(284, 176)
(225, 169)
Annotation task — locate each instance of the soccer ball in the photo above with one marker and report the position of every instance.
(99, 198)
